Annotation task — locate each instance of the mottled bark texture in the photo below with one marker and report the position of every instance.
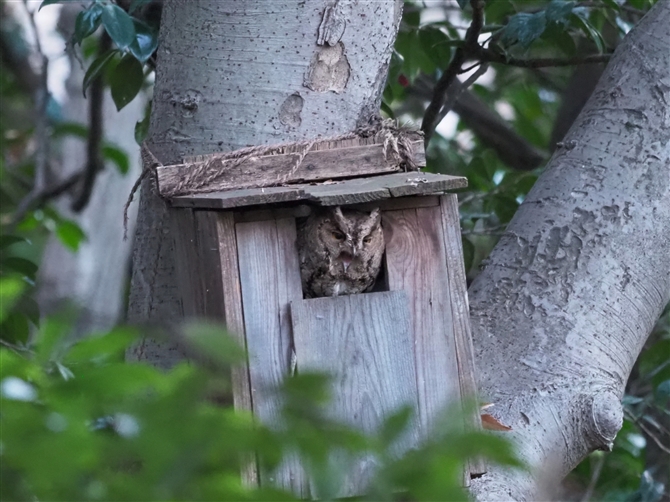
(236, 73)
(571, 292)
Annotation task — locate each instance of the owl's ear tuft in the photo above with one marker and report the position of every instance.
(375, 217)
(339, 218)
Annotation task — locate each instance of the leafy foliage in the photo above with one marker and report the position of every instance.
(135, 43)
(78, 423)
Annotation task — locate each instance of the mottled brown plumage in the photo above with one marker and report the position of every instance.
(340, 251)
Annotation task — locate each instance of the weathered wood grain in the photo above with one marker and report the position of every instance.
(461, 314)
(270, 279)
(365, 342)
(189, 280)
(304, 210)
(416, 264)
(352, 191)
(240, 198)
(273, 213)
(400, 203)
(224, 243)
(258, 171)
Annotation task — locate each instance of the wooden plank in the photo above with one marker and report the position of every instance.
(270, 279)
(416, 264)
(189, 284)
(400, 203)
(240, 198)
(273, 213)
(353, 191)
(461, 313)
(226, 247)
(360, 190)
(365, 342)
(215, 172)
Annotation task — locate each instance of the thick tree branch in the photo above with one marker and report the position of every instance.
(574, 287)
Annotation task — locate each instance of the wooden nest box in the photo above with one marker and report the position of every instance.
(408, 342)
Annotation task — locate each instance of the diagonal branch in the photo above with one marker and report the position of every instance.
(430, 118)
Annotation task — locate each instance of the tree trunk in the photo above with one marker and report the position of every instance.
(232, 74)
(574, 287)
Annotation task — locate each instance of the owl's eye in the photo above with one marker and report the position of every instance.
(338, 235)
(367, 239)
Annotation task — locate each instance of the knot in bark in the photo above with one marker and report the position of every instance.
(605, 418)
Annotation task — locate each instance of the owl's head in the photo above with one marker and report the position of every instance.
(352, 238)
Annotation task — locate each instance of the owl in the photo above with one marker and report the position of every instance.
(340, 251)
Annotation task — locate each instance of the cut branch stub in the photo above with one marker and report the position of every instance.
(324, 160)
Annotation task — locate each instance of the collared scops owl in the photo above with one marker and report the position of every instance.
(340, 251)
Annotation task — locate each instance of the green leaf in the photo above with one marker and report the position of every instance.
(11, 289)
(142, 126)
(581, 19)
(8, 240)
(117, 156)
(69, 129)
(612, 4)
(504, 206)
(395, 425)
(213, 342)
(436, 44)
(119, 25)
(87, 22)
(70, 234)
(21, 265)
(15, 328)
(558, 11)
(498, 11)
(126, 81)
(51, 2)
(412, 18)
(663, 390)
(97, 67)
(145, 42)
(462, 3)
(524, 29)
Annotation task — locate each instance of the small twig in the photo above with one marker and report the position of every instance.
(35, 200)
(595, 476)
(457, 88)
(14, 347)
(490, 56)
(639, 423)
(430, 118)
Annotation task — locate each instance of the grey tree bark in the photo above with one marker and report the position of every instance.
(95, 277)
(574, 287)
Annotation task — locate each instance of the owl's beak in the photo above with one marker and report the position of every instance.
(346, 259)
